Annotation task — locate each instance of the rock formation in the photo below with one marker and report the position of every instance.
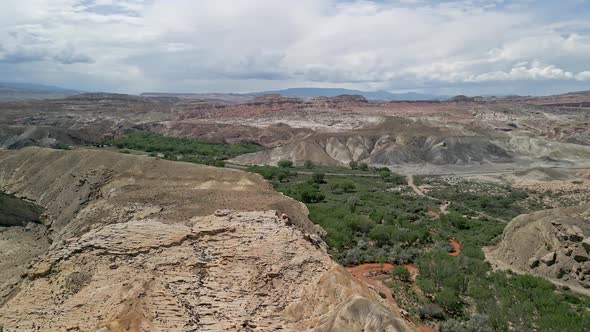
(132, 243)
(553, 243)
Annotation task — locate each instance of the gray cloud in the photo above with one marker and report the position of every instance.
(237, 45)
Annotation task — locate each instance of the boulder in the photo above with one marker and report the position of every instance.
(549, 259)
(533, 263)
(586, 244)
(575, 233)
(580, 258)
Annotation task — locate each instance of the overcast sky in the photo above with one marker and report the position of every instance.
(446, 47)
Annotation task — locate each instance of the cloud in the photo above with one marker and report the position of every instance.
(229, 45)
(525, 71)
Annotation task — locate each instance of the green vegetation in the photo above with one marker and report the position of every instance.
(285, 163)
(401, 273)
(61, 146)
(184, 149)
(379, 219)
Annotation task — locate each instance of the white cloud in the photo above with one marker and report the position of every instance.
(134, 45)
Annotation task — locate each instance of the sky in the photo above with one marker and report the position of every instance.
(472, 47)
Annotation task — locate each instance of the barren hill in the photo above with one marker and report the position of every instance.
(132, 243)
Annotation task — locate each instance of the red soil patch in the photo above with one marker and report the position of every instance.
(372, 274)
(414, 272)
(457, 248)
(368, 273)
(425, 328)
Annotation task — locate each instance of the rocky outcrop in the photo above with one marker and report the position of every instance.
(551, 243)
(140, 244)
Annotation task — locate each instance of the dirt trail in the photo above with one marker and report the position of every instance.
(457, 248)
(417, 190)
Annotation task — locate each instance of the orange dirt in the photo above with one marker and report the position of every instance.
(414, 272)
(425, 328)
(372, 274)
(368, 274)
(457, 246)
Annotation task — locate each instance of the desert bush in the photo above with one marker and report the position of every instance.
(318, 178)
(285, 163)
(347, 186)
(431, 311)
(61, 146)
(452, 325)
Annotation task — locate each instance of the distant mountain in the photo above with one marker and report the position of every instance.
(10, 91)
(370, 95)
(36, 87)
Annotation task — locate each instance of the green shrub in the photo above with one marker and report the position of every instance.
(308, 164)
(451, 325)
(431, 311)
(318, 178)
(285, 163)
(61, 146)
(347, 186)
(401, 273)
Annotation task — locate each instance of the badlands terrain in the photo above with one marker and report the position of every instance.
(322, 214)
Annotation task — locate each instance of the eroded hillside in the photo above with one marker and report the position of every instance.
(141, 244)
(554, 244)
(496, 132)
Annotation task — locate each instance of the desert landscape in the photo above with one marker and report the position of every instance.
(112, 209)
(290, 166)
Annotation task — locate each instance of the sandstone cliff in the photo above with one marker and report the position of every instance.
(133, 243)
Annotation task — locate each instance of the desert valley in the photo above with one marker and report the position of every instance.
(265, 212)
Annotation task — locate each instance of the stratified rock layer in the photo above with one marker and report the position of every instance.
(140, 244)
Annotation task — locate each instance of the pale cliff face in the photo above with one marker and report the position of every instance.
(140, 244)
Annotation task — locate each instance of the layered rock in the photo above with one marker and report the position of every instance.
(552, 243)
(140, 244)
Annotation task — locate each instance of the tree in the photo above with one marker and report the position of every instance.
(363, 166)
(285, 163)
(353, 165)
(455, 219)
(318, 178)
(308, 164)
(309, 195)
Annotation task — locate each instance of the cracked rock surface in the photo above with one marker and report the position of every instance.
(133, 243)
